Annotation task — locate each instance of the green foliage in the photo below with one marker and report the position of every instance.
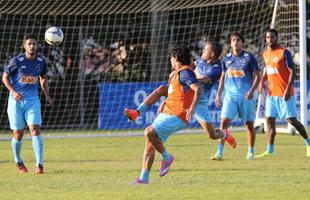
(101, 168)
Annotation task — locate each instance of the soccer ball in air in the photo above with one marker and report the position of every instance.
(54, 35)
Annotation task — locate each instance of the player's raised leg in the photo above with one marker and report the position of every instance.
(147, 103)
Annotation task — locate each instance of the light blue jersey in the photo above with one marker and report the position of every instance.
(239, 73)
(24, 74)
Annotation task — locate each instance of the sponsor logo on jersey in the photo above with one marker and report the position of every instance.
(170, 90)
(29, 79)
(235, 73)
(271, 70)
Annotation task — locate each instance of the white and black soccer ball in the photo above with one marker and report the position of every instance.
(54, 35)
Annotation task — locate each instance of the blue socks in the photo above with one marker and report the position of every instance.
(307, 140)
(17, 146)
(37, 144)
(220, 149)
(144, 175)
(251, 150)
(270, 148)
(142, 108)
(165, 155)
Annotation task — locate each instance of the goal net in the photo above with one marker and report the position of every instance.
(116, 52)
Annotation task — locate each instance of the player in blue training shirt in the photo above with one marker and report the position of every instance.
(240, 78)
(22, 77)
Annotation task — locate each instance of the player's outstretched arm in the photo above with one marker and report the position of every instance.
(44, 86)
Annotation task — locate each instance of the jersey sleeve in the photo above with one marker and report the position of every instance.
(11, 68)
(44, 68)
(187, 77)
(288, 59)
(254, 64)
(215, 74)
(224, 68)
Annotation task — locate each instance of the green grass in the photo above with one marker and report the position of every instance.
(101, 168)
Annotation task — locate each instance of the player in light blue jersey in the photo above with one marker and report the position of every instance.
(22, 77)
(208, 70)
(240, 78)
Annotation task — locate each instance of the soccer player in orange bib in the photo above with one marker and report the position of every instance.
(280, 103)
(183, 95)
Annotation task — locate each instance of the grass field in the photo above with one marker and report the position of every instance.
(101, 168)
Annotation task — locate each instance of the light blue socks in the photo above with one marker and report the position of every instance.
(145, 174)
(270, 148)
(165, 155)
(37, 144)
(251, 150)
(142, 108)
(17, 146)
(220, 149)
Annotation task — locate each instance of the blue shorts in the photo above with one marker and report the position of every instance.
(277, 107)
(165, 124)
(22, 112)
(202, 112)
(233, 106)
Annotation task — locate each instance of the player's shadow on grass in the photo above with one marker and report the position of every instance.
(187, 145)
(5, 161)
(88, 160)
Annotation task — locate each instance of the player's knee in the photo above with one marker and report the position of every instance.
(149, 133)
(292, 120)
(34, 131)
(18, 134)
(212, 136)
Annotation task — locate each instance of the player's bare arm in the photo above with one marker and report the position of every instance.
(290, 83)
(6, 80)
(196, 87)
(249, 94)
(44, 86)
(220, 90)
(262, 82)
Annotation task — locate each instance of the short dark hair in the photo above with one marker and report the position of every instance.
(29, 36)
(272, 30)
(238, 35)
(216, 48)
(182, 54)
